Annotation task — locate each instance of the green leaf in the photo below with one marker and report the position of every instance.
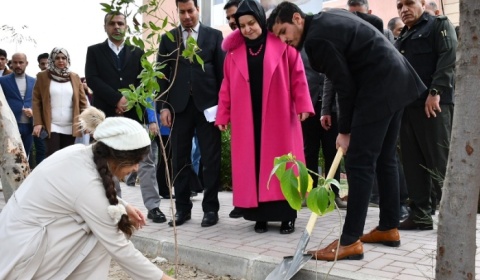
(165, 22)
(138, 108)
(303, 175)
(170, 36)
(200, 61)
(153, 26)
(288, 184)
(142, 9)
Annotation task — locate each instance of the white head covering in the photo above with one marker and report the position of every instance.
(122, 134)
(118, 133)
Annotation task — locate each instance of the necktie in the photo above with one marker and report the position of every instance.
(189, 34)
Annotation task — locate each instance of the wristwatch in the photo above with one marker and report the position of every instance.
(434, 92)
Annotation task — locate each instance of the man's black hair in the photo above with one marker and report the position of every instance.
(283, 13)
(3, 53)
(232, 3)
(186, 1)
(113, 13)
(42, 56)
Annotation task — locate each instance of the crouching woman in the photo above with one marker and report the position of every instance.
(66, 222)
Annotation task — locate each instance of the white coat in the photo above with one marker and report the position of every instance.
(57, 221)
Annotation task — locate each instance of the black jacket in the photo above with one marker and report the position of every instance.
(430, 46)
(190, 78)
(105, 79)
(370, 76)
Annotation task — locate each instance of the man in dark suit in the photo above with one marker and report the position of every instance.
(193, 89)
(110, 66)
(373, 83)
(18, 88)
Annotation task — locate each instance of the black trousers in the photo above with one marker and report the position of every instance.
(425, 145)
(314, 137)
(372, 150)
(58, 141)
(185, 124)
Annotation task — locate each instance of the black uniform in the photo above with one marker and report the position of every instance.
(430, 47)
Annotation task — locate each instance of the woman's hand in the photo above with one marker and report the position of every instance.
(222, 127)
(36, 130)
(166, 277)
(303, 116)
(136, 216)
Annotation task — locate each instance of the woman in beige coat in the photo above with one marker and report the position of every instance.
(66, 222)
(58, 99)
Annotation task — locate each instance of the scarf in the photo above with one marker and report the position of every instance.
(61, 75)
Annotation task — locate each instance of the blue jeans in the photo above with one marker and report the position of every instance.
(26, 130)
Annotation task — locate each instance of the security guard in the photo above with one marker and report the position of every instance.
(429, 43)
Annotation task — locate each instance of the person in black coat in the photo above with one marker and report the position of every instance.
(373, 83)
(192, 88)
(110, 66)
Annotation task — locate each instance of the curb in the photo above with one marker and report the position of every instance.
(238, 264)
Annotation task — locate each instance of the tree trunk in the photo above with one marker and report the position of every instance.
(13, 163)
(456, 244)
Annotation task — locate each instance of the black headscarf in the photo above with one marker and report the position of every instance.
(252, 7)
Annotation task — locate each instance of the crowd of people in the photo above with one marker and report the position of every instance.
(292, 82)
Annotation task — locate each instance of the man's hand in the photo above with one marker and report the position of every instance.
(166, 117)
(121, 106)
(432, 105)
(153, 128)
(343, 141)
(136, 216)
(326, 121)
(28, 112)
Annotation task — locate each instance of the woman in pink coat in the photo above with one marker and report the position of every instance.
(264, 96)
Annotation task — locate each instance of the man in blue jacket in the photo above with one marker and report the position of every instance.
(18, 88)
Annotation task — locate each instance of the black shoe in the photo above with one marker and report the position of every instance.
(167, 196)
(410, 224)
(209, 219)
(261, 227)
(236, 213)
(287, 227)
(181, 217)
(156, 215)
(404, 212)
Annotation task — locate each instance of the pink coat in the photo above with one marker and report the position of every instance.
(285, 95)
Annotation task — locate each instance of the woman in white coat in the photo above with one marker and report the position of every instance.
(66, 222)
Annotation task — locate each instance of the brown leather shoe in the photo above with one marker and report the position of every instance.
(351, 252)
(388, 237)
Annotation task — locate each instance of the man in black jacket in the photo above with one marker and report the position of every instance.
(373, 83)
(192, 90)
(429, 43)
(110, 66)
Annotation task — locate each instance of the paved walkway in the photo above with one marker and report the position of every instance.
(232, 247)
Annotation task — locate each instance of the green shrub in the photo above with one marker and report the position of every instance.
(226, 168)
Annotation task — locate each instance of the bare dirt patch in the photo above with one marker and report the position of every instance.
(184, 272)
